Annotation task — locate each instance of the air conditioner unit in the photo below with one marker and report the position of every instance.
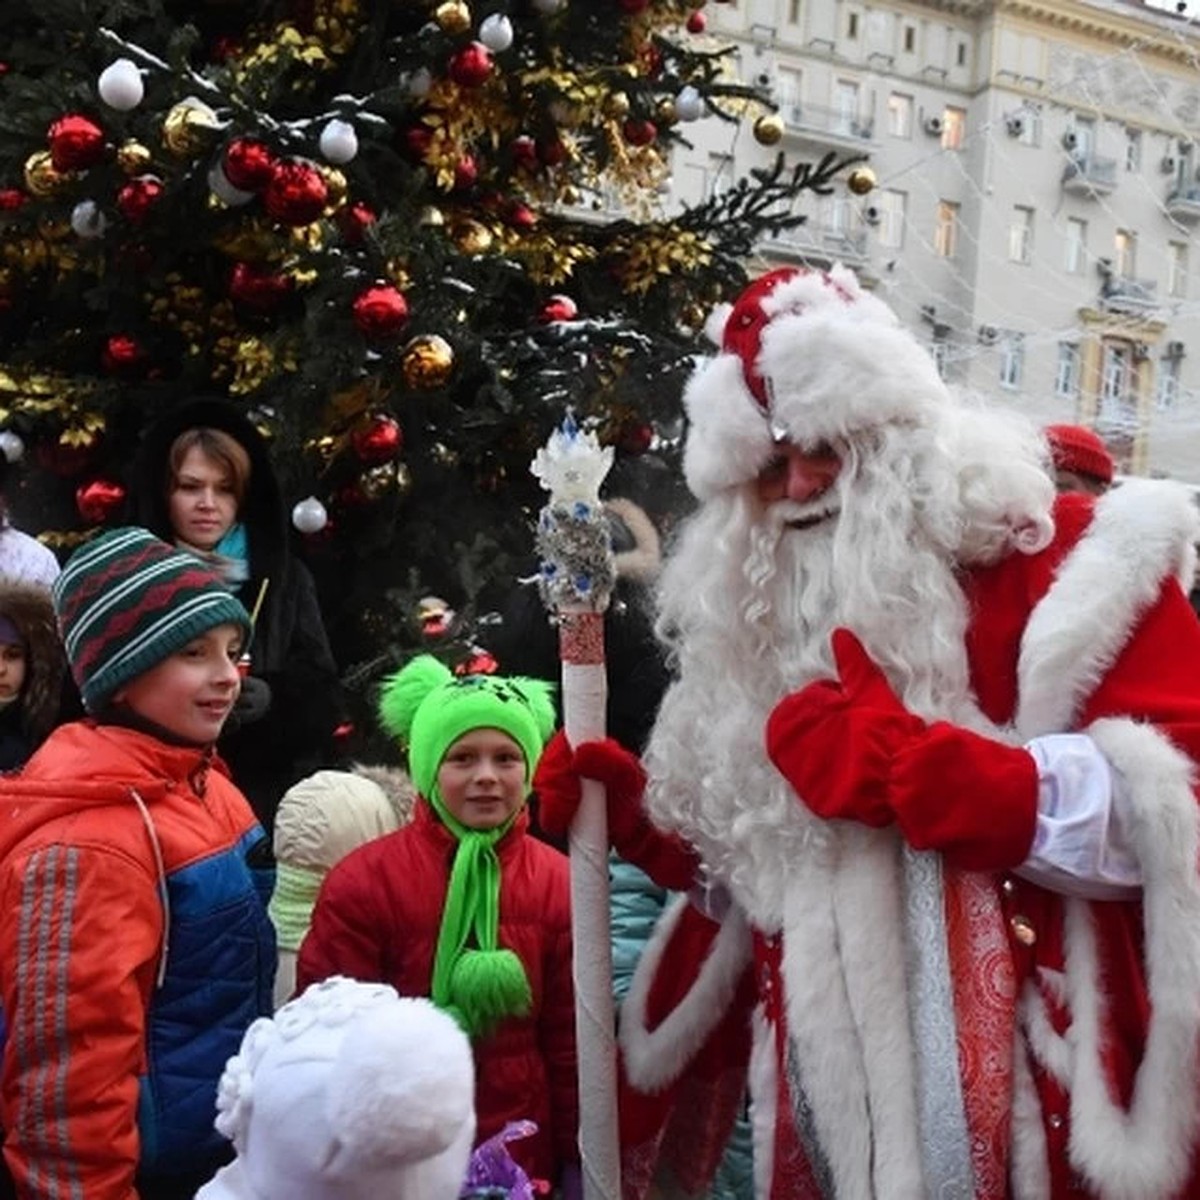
(1168, 164)
(872, 214)
(1015, 124)
(1070, 140)
(989, 335)
(934, 125)
(1175, 350)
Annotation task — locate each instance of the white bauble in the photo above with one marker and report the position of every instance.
(120, 85)
(309, 515)
(11, 446)
(689, 104)
(339, 142)
(419, 83)
(87, 220)
(496, 32)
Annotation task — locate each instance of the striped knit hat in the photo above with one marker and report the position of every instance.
(127, 601)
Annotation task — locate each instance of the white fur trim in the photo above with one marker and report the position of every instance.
(1145, 1153)
(1142, 532)
(763, 1083)
(655, 1058)
(1029, 1170)
(645, 559)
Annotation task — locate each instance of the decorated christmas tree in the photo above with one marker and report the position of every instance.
(405, 237)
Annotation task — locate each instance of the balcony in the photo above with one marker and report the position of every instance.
(821, 245)
(1183, 203)
(826, 126)
(1087, 175)
(1124, 294)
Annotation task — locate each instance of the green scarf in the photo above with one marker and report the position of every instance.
(481, 984)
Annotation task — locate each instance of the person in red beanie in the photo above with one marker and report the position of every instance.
(932, 746)
(1081, 460)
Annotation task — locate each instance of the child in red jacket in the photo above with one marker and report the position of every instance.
(463, 906)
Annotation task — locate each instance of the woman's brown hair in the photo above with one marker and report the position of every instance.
(221, 448)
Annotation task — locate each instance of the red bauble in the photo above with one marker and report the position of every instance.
(635, 438)
(525, 152)
(640, 133)
(122, 355)
(379, 440)
(470, 66)
(466, 173)
(296, 193)
(558, 308)
(257, 290)
(521, 216)
(551, 151)
(11, 199)
(136, 198)
(697, 22)
(478, 662)
(99, 500)
(652, 60)
(417, 140)
(380, 311)
(354, 220)
(76, 143)
(248, 164)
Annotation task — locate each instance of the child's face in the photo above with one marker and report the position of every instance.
(12, 671)
(202, 504)
(482, 779)
(190, 693)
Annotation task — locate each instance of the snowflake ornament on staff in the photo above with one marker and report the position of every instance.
(576, 581)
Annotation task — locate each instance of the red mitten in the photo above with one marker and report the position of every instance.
(853, 751)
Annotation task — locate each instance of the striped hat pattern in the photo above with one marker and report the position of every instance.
(127, 601)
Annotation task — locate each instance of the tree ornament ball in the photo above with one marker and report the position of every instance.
(99, 500)
(524, 152)
(12, 199)
(496, 33)
(689, 104)
(768, 129)
(76, 142)
(378, 440)
(472, 237)
(338, 142)
(189, 128)
(354, 220)
(471, 66)
(861, 180)
(309, 515)
(431, 217)
(248, 164)
(427, 362)
(665, 112)
(120, 85)
(296, 194)
(380, 311)
(136, 198)
(41, 177)
(219, 185)
(87, 220)
(466, 173)
(133, 158)
(697, 22)
(11, 446)
(257, 290)
(640, 132)
(635, 438)
(551, 151)
(521, 216)
(558, 308)
(616, 104)
(122, 354)
(453, 17)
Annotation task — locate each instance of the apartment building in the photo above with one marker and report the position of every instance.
(1036, 191)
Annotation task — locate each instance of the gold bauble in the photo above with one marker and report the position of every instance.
(570, 194)
(768, 129)
(861, 180)
(431, 216)
(472, 237)
(665, 112)
(617, 105)
(133, 158)
(402, 484)
(427, 361)
(190, 128)
(453, 17)
(443, 455)
(378, 481)
(336, 186)
(41, 176)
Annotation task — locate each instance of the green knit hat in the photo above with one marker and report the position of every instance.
(126, 601)
(429, 708)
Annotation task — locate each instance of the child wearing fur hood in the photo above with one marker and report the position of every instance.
(463, 906)
(32, 666)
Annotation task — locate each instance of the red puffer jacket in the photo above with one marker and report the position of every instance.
(377, 919)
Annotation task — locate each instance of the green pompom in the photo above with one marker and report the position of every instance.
(539, 696)
(486, 986)
(403, 692)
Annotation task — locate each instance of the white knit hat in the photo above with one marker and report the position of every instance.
(350, 1092)
(806, 356)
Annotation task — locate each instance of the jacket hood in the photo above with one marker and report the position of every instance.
(84, 765)
(31, 610)
(262, 510)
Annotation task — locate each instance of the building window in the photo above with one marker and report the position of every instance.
(1133, 149)
(1020, 235)
(945, 235)
(1125, 254)
(1066, 373)
(954, 126)
(900, 115)
(789, 91)
(1177, 268)
(845, 104)
(961, 54)
(891, 205)
(1084, 129)
(837, 214)
(1012, 361)
(939, 352)
(1117, 413)
(794, 12)
(910, 39)
(1167, 392)
(1076, 245)
(852, 26)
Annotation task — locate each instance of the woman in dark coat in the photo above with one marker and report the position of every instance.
(32, 670)
(195, 489)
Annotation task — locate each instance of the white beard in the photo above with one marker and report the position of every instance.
(749, 604)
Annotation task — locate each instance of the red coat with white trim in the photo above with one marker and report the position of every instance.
(377, 919)
(1092, 635)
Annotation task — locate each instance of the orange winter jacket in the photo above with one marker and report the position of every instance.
(134, 953)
